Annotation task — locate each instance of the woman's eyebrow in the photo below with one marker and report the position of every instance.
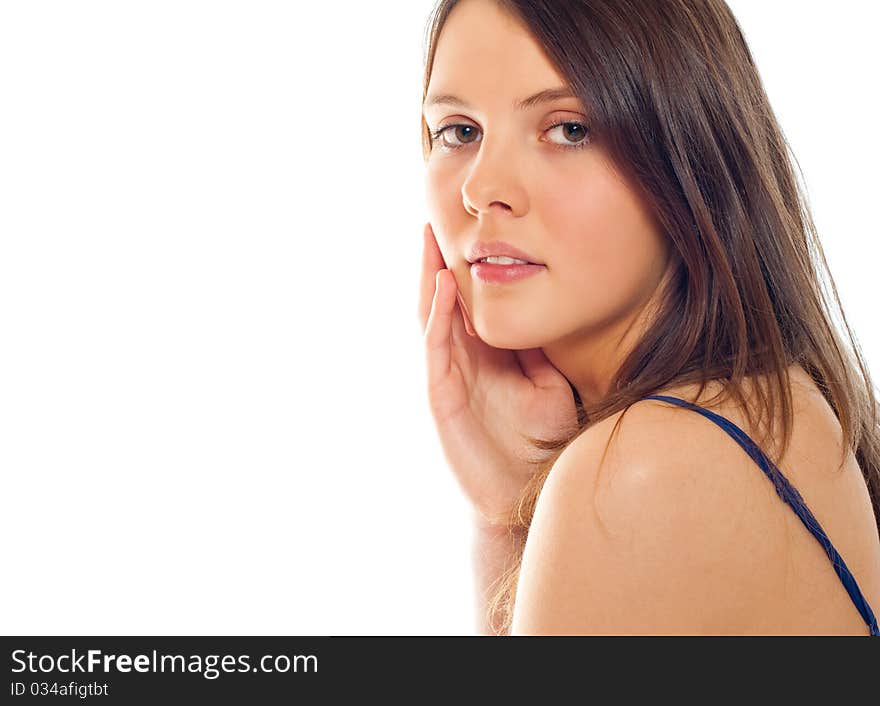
(545, 96)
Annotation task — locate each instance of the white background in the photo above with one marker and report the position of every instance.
(212, 417)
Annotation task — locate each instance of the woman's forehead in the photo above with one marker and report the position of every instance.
(478, 37)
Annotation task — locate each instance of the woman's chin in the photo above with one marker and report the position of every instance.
(511, 337)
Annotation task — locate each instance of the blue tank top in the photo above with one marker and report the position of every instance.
(790, 495)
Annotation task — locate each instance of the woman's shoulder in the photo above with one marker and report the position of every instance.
(626, 537)
(656, 452)
(657, 441)
(671, 438)
(663, 524)
(659, 456)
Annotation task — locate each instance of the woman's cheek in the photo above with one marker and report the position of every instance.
(591, 265)
(441, 204)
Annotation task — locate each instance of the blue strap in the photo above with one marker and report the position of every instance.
(791, 496)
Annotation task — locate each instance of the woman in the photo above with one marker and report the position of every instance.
(664, 268)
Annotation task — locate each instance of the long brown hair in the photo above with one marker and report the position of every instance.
(675, 98)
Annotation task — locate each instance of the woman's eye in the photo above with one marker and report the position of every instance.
(441, 134)
(574, 136)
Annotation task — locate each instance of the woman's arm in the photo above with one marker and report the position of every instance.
(493, 552)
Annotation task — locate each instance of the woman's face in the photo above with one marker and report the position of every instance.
(509, 175)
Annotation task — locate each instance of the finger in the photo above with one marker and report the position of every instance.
(438, 330)
(466, 315)
(538, 368)
(432, 260)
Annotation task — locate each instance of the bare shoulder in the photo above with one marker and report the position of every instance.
(656, 529)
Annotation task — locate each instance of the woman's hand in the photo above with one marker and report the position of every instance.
(483, 398)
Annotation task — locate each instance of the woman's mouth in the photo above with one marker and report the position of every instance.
(502, 270)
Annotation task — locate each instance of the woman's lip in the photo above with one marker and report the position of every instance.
(491, 273)
(481, 249)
